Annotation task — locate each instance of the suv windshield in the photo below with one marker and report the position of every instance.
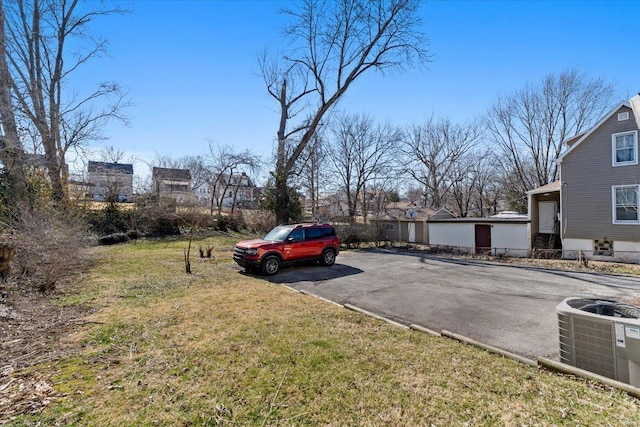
(279, 233)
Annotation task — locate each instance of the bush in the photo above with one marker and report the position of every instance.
(354, 234)
(109, 220)
(50, 246)
(226, 223)
(154, 216)
(259, 221)
(112, 239)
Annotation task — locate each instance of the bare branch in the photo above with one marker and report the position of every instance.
(332, 44)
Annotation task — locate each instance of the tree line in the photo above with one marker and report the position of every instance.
(319, 150)
(472, 168)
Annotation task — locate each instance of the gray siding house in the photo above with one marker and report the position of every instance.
(599, 188)
(110, 181)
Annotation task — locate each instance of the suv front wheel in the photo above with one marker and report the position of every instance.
(270, 265)
(328, 257)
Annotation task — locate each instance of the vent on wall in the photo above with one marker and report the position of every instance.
(623, 116)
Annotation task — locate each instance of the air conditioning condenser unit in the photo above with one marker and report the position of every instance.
(602, 337)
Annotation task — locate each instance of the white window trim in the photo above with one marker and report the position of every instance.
(613, 148)
(613, 207)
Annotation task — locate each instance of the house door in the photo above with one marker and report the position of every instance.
(547, 217)
(412, 232)
(483, 238)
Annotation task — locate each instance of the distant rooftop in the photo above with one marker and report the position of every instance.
(171, 174)
(102, 166)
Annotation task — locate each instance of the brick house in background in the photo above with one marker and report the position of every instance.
(110, 181)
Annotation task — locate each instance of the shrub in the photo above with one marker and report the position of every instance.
(109, 220)
(50, 246)
(259, 221)
(155, 217)
(354, 234)
(230, 222)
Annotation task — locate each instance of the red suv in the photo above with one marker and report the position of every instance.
(288, 244)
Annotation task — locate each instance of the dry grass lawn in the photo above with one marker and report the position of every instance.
(222, 348)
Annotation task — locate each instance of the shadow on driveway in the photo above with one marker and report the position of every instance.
(309, 273)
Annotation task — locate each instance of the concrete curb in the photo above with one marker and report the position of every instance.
(375, 316)
(425, 330)
(572, 370)
(490, 349)
(303, 292)
(321, 298)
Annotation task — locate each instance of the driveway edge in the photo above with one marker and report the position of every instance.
(376, 316)
(572, 370)
(490, 348)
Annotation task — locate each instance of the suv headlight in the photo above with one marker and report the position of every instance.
(251, 251)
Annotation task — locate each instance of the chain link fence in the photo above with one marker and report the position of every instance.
(359, 235)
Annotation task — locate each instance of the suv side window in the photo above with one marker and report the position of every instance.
(315, 233)
(328, 232)
(296, 235)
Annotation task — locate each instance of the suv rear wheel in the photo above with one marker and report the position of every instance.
(270, 265)
(328, 257)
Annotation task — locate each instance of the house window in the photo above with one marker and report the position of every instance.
(625, 204)
(625, 148)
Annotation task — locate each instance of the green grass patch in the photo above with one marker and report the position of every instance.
(222, 348)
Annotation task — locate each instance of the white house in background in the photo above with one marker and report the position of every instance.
(230, 190)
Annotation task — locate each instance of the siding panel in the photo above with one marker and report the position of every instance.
(587, 178)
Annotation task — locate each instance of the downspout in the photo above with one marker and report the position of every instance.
(635, 107)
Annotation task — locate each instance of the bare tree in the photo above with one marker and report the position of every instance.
(312, 176)
(432, 151)
(40, 65)
(381, 191)
(333, 43)
(529, 126)
(415, 194)
(463, 185)
(11, 149)
(474, 189)
(112, 155)
(488, 190)
(360, 151)
(225, 164)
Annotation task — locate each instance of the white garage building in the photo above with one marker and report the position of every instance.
(504, 234)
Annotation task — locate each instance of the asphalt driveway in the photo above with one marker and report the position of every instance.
(509, 307)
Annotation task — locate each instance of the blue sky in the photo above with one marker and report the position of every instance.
(192, 73)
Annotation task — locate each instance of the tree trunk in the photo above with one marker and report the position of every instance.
(11, 151)
(53, 167)
(283, 213)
